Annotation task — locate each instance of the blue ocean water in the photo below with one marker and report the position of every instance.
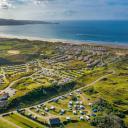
(110, 32)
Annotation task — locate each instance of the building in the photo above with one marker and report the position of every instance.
(4, 96)
(82, 107)
(46, 109)
(74, 112)
(52, 108)
(81, 118)
(3, 103)
(68, 118)
(54, 122)
(62, 111)
(87, 118)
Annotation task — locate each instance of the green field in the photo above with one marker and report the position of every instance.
(114, 90)
(4, 124)
(22, 121)
(78, 125)
(33, 72)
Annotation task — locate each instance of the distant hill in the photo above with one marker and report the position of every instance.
(21, 22)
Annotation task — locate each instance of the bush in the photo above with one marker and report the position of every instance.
(102, 105)
(90, 91)
(38, 95)
(108, 121)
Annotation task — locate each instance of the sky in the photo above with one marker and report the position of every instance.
(64, 9)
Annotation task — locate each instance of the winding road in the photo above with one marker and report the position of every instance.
(94, 82)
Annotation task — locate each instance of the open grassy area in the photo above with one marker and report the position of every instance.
(114, 90)
(126, 120)
(4, 124)
(62, 103)
(38, 71)
(78, 125)
(22, 121)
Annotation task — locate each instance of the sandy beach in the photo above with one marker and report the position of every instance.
(2, 36)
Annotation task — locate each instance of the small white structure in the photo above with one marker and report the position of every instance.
(90, 104)
(37, 110)
(81, 118)
(46, 109)
(81, 102)
(68, 118)
(62, 110)
(87, 118)
(78, 90)
(52, 108)
(70, 102)
(70, 94)
(39, 106)
(43, 113)
(34, 117)
(77, 102)
(82, 107)
(74, 112)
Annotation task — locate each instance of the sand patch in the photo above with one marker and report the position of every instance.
(121, 53)
(13, 52)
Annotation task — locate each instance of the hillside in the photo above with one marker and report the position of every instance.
(21, 22)
(79, 85)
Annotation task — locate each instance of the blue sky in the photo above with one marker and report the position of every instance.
(64, 9)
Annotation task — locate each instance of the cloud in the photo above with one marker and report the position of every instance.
(5, 4)
(64, 9)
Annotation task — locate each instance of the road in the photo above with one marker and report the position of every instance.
(94, 82)
(10, 90)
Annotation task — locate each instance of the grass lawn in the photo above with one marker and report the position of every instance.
(126, 120)
(23, 121)
(75, 64)
(4, 124)
(33, 85)
(90, 76)
(61, 103)
(81, 124)
(5, 47)
(3, 86)
(114, 90)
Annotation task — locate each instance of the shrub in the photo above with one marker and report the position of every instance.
(108, 121)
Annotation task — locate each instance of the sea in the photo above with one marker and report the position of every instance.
(96, 31)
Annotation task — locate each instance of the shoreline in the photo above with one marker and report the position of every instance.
(71, 42)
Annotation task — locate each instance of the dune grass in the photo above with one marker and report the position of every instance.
(23, 121)
(4, 124)
(81, 124)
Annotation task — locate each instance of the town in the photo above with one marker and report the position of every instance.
(60, 73)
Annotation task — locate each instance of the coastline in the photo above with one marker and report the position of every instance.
(71, 42)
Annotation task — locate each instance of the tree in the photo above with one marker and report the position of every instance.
(108, 121)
